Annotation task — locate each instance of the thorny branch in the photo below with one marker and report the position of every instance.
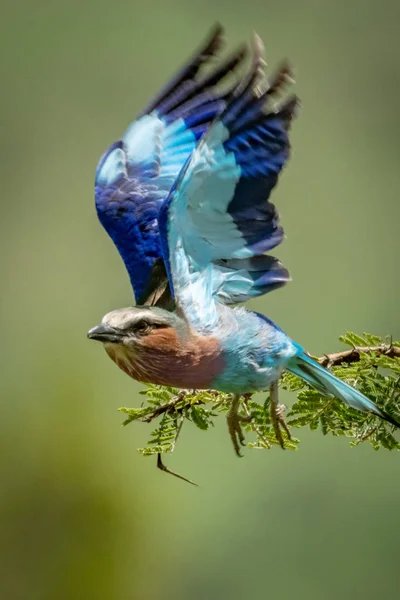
(354, 354)
(170, 406)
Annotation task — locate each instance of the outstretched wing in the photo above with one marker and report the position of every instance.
(217, 222)
(136, 173)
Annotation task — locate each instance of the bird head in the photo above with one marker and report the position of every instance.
(154, 345)
(137, 326)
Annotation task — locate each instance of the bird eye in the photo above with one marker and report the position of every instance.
(143, 328)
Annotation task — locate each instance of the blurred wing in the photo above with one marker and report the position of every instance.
(136, 173)
(217, 222)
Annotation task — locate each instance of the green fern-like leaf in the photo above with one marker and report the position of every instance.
(163, 439)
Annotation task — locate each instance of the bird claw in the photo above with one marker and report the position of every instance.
(277, 414)
(234, 419)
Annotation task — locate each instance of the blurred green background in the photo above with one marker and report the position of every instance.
(83, 515)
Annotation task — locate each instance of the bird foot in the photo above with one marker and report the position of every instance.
(277, 414)
(234, 419)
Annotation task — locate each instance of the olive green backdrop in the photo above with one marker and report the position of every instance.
(83, 515)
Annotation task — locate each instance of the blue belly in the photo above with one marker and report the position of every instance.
(255, 352)
(250, 379)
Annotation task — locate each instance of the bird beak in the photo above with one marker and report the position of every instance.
(105, 333)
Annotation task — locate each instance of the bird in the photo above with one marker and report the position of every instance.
(215, 227)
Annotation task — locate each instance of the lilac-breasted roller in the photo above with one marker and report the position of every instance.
(188, 187)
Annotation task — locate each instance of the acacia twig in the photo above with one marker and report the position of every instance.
(170, 406)
(354, 354)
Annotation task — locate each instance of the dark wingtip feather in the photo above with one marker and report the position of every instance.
(289, 108)
(214, 41)
(231, 63)
(250, 86)
(207, 50)
(257, 70)
(202, 90)
(253, 94)
(283, 76)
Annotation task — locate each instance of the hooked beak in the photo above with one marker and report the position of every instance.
(105, 333)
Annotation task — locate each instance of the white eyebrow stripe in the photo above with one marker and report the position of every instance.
(128, 318)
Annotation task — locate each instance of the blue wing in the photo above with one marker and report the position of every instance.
(217, 222)
(136, 173)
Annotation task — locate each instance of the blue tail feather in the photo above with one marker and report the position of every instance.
(325, 382)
